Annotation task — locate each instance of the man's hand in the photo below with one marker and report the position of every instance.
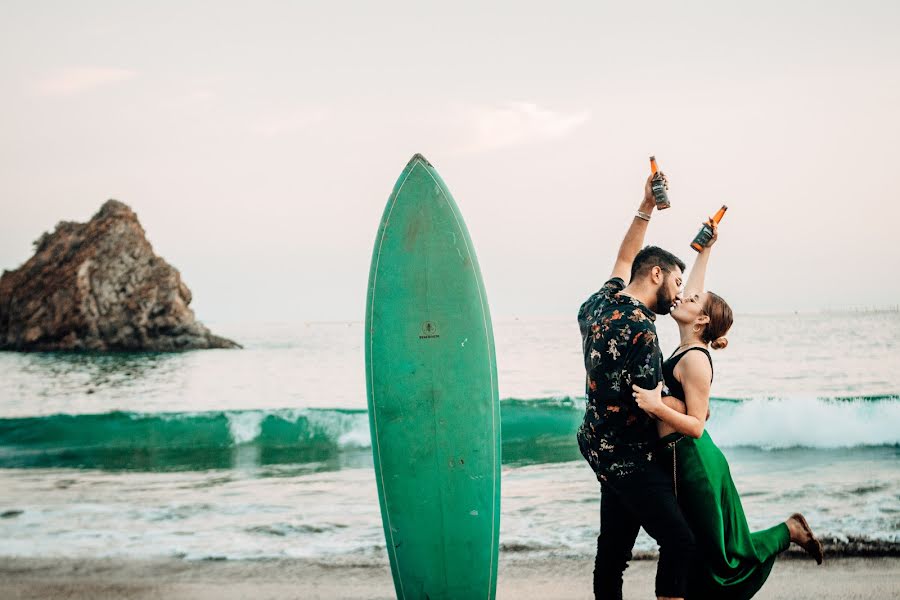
(649, 202)
(634, 237)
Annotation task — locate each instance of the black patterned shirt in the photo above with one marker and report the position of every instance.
(620, 348)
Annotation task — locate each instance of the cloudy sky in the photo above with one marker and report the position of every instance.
(258, 142)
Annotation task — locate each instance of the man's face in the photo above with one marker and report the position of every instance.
(669, 291)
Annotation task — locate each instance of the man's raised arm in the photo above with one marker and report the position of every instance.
(634, 237)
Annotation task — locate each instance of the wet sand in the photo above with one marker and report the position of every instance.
(102, 579)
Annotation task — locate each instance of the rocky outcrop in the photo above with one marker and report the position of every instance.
(99, 286)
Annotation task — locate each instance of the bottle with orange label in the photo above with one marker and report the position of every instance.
(658, 186)
(706, 232)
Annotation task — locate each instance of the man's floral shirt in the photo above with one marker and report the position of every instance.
(620, 349)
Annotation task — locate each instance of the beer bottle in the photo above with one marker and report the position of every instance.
(658, 187)
(706, 232)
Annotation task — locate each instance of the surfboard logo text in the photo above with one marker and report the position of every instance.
(429, 331)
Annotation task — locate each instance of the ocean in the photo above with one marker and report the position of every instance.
(265, 452)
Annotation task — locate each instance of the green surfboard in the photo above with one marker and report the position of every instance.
(434, 411)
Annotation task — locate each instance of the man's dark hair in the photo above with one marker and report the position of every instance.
(653, 256)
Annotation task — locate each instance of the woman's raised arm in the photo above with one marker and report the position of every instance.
(697, 276)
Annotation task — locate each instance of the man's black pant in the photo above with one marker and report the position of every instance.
(643, 499)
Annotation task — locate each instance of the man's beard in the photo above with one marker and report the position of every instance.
(664, 302)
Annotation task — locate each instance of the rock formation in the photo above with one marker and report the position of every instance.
(99, 286)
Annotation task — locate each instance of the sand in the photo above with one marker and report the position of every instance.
(101, 579)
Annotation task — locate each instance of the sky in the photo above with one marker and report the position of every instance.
(259, 142)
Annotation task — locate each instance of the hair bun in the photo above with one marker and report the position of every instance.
(719, 343)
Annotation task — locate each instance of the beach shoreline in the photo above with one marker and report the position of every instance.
(562, 578)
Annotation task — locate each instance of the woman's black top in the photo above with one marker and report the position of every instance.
(668, 368)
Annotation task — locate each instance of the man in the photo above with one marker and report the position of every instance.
(616, 437)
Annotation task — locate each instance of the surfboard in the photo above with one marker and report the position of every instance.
(431, 381)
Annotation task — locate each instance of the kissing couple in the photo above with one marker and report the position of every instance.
(643, 432)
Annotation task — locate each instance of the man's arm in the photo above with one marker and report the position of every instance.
(644, 359)
(634, 237)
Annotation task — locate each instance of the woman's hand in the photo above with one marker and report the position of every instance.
(650, 401)
(715, 233)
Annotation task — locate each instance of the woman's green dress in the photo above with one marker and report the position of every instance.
(733, 562)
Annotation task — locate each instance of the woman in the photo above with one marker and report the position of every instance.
(734, 563)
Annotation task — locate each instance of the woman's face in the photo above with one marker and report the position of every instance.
(690, 308)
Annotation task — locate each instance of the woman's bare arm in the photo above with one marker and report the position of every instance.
(662, 428)
(697, 277)
(695, 373)
(675, 404)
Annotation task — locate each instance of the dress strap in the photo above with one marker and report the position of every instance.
(704, 350)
